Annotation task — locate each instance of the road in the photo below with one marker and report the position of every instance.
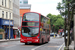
(54, 44)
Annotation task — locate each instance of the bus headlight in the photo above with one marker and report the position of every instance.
(38, 37)
(22, 40)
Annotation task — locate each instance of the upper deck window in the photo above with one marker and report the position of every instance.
(31, 17)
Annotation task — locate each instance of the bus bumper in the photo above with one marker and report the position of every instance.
(29, 41)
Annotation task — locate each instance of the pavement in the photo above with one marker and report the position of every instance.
(4, 40)
(71, 47)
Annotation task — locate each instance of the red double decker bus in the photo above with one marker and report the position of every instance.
(35, 28)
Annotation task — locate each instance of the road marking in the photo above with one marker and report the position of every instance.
(10, 46)
(52, 46)
(36, 47)
(7, 46)
(61, 46)
(3, 43)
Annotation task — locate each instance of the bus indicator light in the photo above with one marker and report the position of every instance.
(37, 37)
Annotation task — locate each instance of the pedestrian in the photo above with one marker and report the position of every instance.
(61, 33)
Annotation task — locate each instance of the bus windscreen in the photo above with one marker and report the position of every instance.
(30, 31)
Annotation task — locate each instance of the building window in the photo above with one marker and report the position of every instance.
(20, 1)
(10, 15)
(5, 3)
(2, 2)
(9, 4)
(6, 15)
(25, 2)
(2, 14)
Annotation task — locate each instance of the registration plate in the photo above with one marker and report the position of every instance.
(29, 41)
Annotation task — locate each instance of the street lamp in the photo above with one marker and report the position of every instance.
(9, 18)
(9, 28)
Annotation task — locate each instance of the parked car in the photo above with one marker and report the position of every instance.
(52, 34)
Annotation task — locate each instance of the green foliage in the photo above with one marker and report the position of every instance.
(64, 48)
(63, 7)
(73, 1)
(1, 30)
(48, 22)
(67, 11)
(57, 21)
(60, 7)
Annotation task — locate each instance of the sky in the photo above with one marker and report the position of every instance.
(44, 6)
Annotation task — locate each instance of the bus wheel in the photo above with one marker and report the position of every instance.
(48, 39)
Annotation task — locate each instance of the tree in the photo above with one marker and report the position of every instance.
(57, 21)
(66, 11)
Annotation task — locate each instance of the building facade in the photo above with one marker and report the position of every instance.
(16, 13)
(16, 17)
(6, 13)
(24, 7)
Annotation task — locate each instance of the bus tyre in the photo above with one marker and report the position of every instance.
(40, 43)
(47, 40)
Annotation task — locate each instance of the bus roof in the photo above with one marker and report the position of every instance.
(45, 16)
(37, 13)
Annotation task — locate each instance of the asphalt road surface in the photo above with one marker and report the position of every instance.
(54, 44)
